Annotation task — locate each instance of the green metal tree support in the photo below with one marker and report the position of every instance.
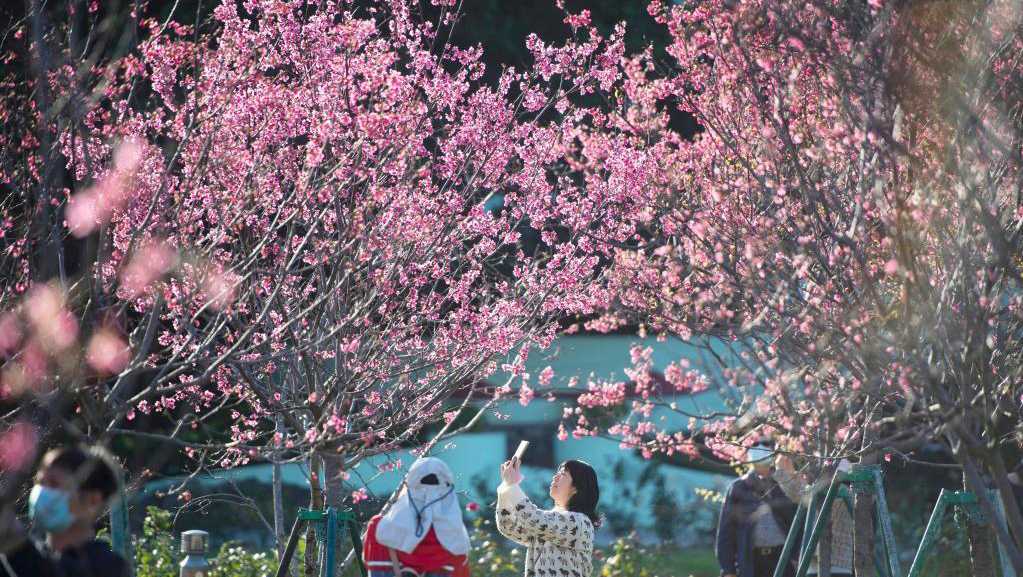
(327, 525)
(120, 531)
(867, 479)
(815, 516)
(966, 503)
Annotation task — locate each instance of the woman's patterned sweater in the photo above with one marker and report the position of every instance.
(559, 543)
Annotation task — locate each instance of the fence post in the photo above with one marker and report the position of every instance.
(195, 544)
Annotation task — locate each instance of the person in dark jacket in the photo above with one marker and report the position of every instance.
(755, 519)
(1016, 482)
(73, 487)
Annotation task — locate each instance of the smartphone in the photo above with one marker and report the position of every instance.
(521, 450)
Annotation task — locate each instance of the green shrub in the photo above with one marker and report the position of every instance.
(234, 561)
(625, 560)
(157, 553)
(489, 555)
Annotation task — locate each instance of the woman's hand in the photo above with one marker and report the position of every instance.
(510, 473)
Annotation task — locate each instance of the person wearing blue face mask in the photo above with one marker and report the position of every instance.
(72, 489)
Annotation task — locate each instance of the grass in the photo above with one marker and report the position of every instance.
(671, 562)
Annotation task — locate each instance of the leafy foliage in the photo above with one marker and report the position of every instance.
(156, 554)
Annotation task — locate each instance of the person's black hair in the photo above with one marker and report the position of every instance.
(587, 491)
(92, 469)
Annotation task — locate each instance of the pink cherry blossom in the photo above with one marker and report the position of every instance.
(107, 352)
(18, 446)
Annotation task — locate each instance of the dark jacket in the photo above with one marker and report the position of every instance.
(735, 526)
(93, 559)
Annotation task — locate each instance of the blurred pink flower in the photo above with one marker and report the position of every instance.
(472, 507)
(17, 447)
(82, 213)
(28, 372)
(219, 290)
(10, 333)
(107, 352)
(891, 267)
(360, 495)
(148, 264)
(93, 207)
(55, 328)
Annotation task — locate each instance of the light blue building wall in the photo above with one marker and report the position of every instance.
(475, 457)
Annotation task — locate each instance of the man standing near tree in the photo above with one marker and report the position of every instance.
(755, 519)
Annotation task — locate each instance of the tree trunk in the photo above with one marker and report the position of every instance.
(278, 496)
(975, 484)
(333, 482)
(824, 547)
(863, 527)
(982, 540)
(1010, 506)
(982, 549)
(48, 259)
(312, 568)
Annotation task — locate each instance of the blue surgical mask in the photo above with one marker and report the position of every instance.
(50, 509)
(759, 454)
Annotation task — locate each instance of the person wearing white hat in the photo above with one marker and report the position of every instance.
(755, 518)
(422, 534)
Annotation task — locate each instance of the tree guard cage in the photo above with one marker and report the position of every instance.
(866, 479)
(967, 508)
(814, 517)
(327, 524)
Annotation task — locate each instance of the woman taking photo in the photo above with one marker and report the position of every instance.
(559, 542)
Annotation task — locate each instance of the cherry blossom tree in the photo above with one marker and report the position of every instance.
(843, 234)
(311, 220)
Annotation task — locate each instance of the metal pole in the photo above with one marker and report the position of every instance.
(289, 551)
(930, 534)
(823, 517)
(884, 519)
(811, 514)
(1003, 556)
(790, 541)
(347, 520)
(120, 537)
